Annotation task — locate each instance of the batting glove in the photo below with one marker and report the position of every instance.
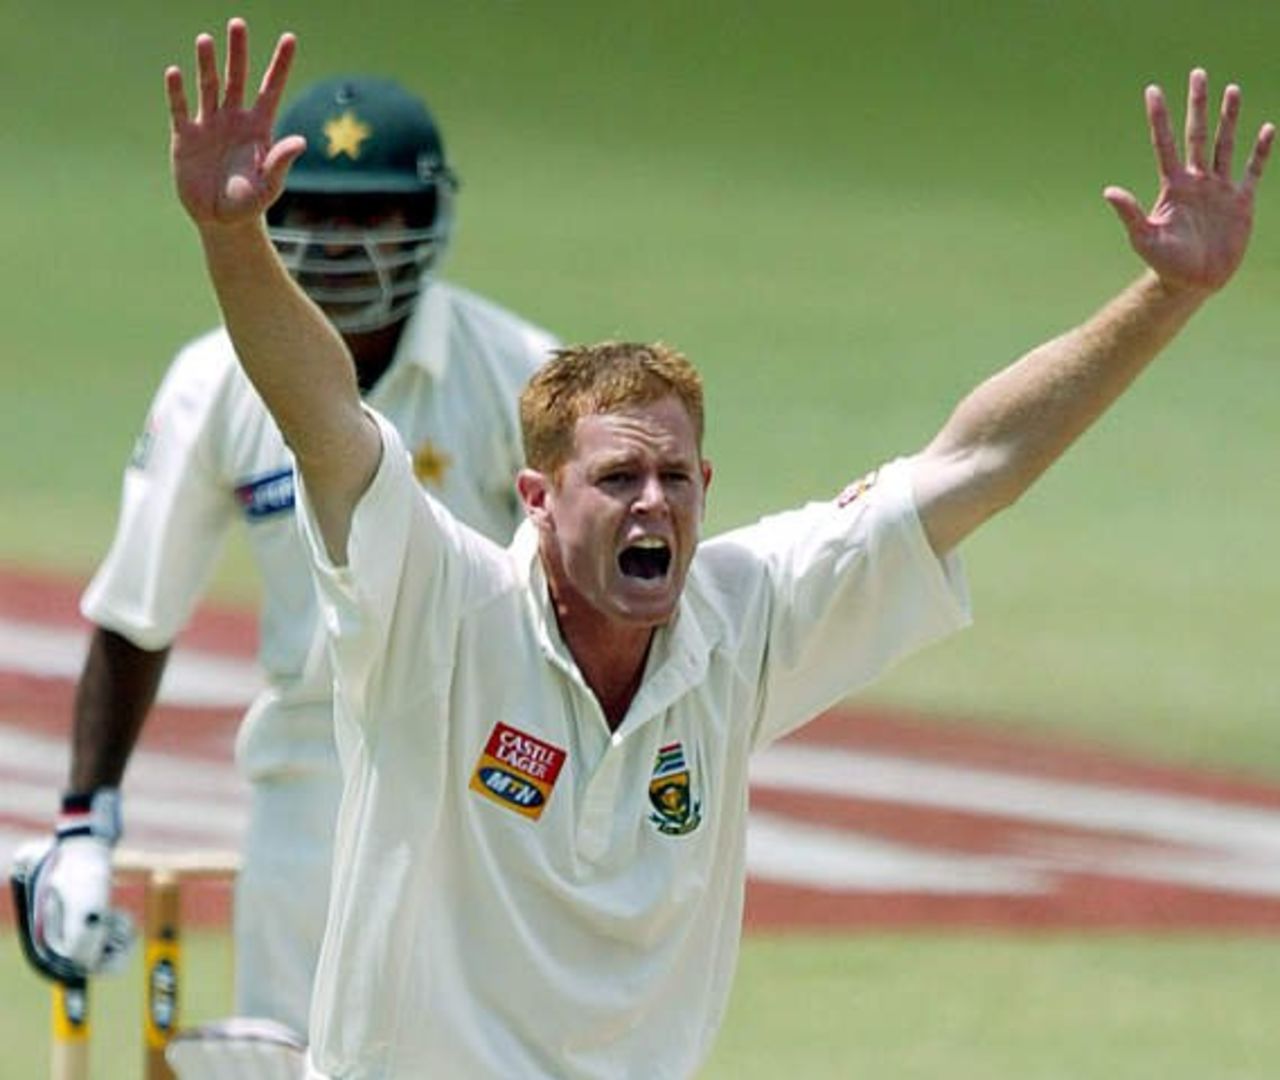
(62, 893)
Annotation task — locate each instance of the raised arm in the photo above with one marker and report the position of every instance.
(1010, 429)
(227, 171)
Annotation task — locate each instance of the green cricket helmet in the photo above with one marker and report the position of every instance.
(367, 209)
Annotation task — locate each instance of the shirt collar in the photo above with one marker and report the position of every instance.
(678, 657)
(532, 578)
(425, 341)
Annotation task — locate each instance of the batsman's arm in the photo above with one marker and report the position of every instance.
(113, 698)
(1010, 429)
(227, 171)
(62, 885)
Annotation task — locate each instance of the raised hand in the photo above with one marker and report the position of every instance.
(226, 168)
(1198, 229)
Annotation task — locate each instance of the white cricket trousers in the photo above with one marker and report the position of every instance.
(282, 892)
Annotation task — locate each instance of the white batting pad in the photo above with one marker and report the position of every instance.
(239, 1048)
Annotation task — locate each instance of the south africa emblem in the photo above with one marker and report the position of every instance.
(676, 811)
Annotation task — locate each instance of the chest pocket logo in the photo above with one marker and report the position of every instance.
(517, 771)
(675, 811)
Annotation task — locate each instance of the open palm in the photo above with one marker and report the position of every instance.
(226, 168)
(1198, 228)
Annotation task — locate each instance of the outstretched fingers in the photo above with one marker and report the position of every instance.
(1197, 134)
(276, 76)
(227, 92)
(225, 165)
(1258, 158)
(1167, 163)
(1199, 224)
(237, 63)
(276, 164)
(1225, 145)
(179, 111)
(206, 76)
(1128, 210)
(1197, 122)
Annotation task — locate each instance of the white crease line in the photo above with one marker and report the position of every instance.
(1211, 871)
(1175, 819)
(835, 860)
(45, 757)
(193, 677)
(143, 811)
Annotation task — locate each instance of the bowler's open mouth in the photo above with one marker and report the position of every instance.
(648, 558)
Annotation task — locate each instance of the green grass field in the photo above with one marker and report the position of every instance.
(847, 214)
(917, 1007)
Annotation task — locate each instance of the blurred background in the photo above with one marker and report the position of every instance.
(846, 214)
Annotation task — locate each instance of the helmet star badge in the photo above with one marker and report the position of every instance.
(373, 152)
(346, 134)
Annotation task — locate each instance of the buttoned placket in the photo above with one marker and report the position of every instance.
(680, 657)
(679, 671)
(595, 822)
(599, 782)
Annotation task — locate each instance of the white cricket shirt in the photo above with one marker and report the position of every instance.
(211, 455)
(517, 891)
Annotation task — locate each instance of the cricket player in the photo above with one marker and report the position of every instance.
(539, 863)
(362, 224)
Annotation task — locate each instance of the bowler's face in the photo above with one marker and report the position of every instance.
(621, 525)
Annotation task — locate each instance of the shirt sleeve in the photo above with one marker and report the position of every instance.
(855, 587)
(174, 514)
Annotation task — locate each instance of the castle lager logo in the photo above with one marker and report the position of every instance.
(517, 771)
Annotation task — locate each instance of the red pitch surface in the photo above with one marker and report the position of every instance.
(867, 818)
